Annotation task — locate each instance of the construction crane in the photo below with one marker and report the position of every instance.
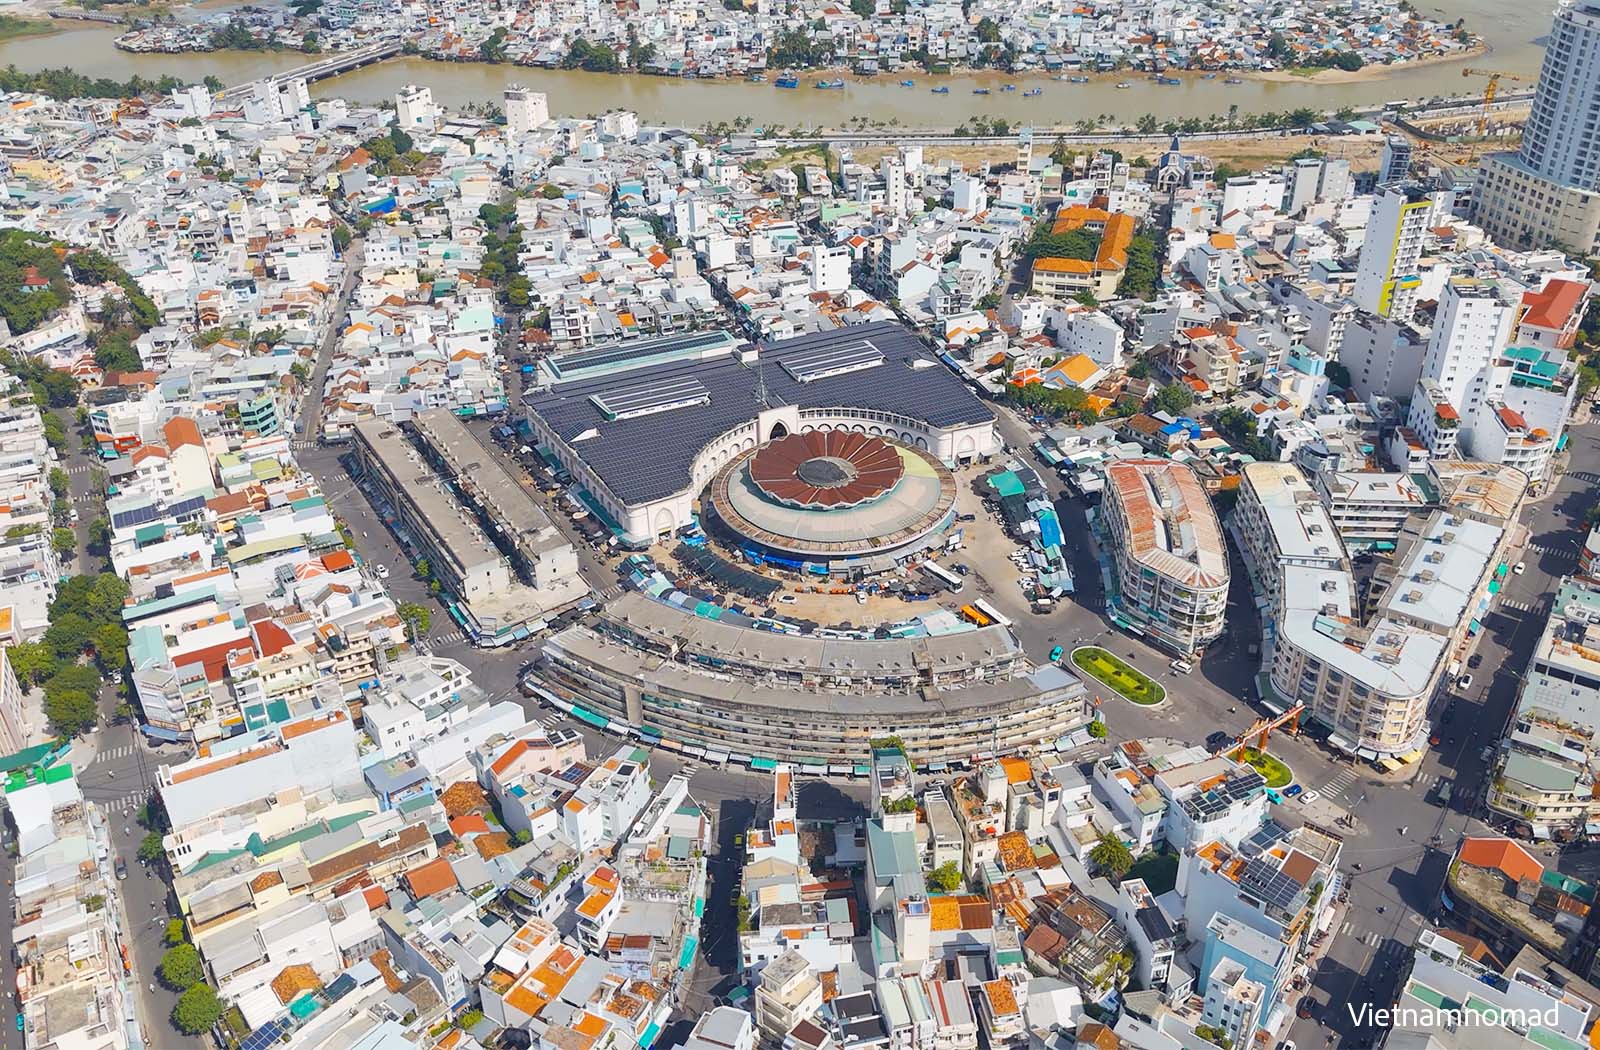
(1495, 76)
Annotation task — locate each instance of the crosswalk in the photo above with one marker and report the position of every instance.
(1339, 784)
(126, 804)
(444, 640)
(80, 468)
(1515, 605)
(302, 444)
(120, 751)
(1552, 552)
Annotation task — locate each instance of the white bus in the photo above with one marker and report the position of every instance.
(951, 581)
(991, 612)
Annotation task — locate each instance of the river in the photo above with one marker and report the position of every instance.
(1509, 31)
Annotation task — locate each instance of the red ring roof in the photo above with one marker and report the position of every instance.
(875, 462)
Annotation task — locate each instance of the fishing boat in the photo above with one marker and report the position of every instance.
(758, 78)
(940, 90)
(1124, 86)
(830, 85)
(1079, 80)
(908, 83)
(1009, 87)
(1209, 76)
(980, 91)
(1168, 81)
(788, 80)
(1234, 80)
(1033, 93)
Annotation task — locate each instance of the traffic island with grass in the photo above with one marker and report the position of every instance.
(1117, 675)
(1275, 773)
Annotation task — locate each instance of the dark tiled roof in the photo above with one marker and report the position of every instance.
(646, 457)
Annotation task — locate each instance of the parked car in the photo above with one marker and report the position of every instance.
(1309, 797)
(383, 572)
(1520, 567)
(786, 599)
(1292, 790)
(1055, 654)
(1464, 682)
(1181, 666)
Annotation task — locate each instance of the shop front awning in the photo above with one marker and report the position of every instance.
(1494, 586)
(583, 714)
(862, 771)
(1474, 627)
(1389, 764)
(1411, 756)
(170, 736)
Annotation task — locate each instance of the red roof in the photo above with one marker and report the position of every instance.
(431, 878)
(181, 431)
(1553, 306)
(271, 638)
(469, 824)
(1502, 855)
(1512, 419)
(333, 561)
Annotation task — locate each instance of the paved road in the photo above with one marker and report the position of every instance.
(120, 779)
(311, 414)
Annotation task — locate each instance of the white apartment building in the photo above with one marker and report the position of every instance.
(1549, 190)
(1386, 275)
(1170, 563)
(1366, 674)
(525, 110)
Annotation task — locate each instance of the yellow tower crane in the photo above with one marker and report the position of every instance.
(1489, 91)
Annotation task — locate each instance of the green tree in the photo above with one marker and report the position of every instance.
(69, 635)
(70, 711)
(1174, 398)
(181, 966)
(175, 933)
(150, 849)
(1147, 124)
(342, 237)
(63, 541)
(946, 878)
(100, 535)
(55, 432)
(58, 481)
(1338, 374)
(111, 645)
(1097, 729)
(197, 1010)
(988, 31)
(32, 662)
(1112, 856)
(418, 618)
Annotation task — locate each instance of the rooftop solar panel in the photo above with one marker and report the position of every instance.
(822, 362)
(263, 1037)
(650, 398)
(1270, 884)
(641, 352)
(186, 506)
(129, 519)
(650, 457)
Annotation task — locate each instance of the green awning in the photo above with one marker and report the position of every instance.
(687, 956)
(1500, 571)
(1494, 586)
(583, 714)
(863, 771)
(763, 763)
